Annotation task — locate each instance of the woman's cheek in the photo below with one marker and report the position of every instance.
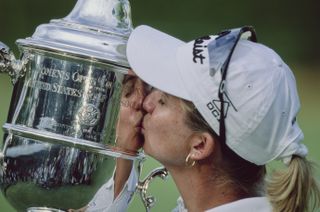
(156, 140)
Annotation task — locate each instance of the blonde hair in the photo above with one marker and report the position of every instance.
(291, 190)
(294, 189)
(247, 178)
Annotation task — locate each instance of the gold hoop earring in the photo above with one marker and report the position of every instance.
(190, 163)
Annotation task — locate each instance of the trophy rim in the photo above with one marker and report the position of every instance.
(54, 138)
(58, 48)
(43, 209)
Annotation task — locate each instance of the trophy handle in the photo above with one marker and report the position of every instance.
(3, 165)
(142, 186)
(9, 64)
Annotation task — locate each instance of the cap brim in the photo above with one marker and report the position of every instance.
(152, 56)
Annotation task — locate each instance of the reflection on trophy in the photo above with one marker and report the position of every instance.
(61, 127)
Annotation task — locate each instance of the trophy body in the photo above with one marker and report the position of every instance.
(64, 117)
(61, 127)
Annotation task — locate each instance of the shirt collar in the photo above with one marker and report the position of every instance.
(253, 204)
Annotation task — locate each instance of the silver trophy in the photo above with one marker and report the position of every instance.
(59, 140)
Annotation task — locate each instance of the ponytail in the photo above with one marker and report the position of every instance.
(294, 189)
(291, 190)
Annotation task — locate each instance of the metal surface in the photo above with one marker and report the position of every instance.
(5, 57)
(56, 176)
(61, 121)
(142, 187)
(59, 143)
(94, 30)
(43, 209)
(69, 97)
(8, 64)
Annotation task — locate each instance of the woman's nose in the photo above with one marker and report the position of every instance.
(139, 95)
(138, 101)
(149, 102)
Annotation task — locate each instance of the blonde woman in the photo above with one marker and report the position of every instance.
(221, 108)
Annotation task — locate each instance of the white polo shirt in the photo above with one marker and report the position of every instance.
(254, 204)
(103, 200)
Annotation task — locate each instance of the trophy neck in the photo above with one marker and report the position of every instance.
(106, 15)
(94, 30)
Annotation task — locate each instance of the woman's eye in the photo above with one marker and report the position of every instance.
(128, 91)
(161, 102)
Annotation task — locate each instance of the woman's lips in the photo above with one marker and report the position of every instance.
(139, 126)
(142, 127)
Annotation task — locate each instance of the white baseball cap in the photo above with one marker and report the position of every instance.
(260, 96)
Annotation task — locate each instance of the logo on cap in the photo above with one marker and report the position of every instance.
(215, 107)
(198, 48)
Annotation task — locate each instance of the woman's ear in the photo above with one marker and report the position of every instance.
(202, 145)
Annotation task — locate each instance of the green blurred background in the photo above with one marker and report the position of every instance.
(290, 27)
